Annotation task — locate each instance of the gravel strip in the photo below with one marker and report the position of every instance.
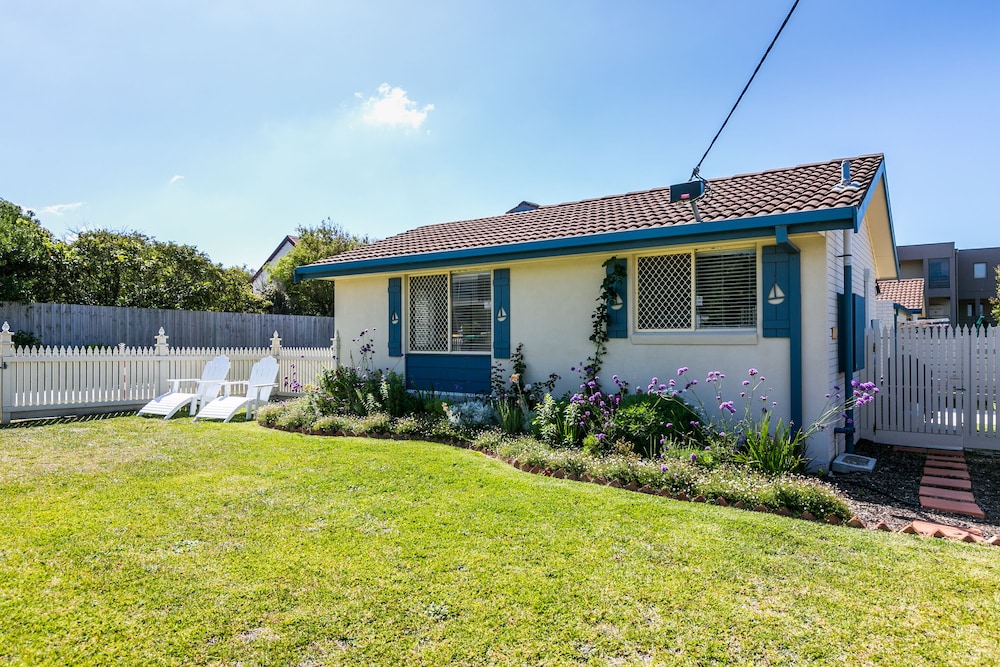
(890, 493)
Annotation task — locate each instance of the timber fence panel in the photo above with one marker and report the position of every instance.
(939, 386)
(77, 326)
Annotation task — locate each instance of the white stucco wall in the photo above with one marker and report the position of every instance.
(552, 300)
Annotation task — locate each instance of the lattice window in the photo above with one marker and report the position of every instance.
(429, 313)
(664, 292)
(726, 289)
(451, 313)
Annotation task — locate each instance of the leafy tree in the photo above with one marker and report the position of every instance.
(311, 297)
(30, 257)
(130, 269)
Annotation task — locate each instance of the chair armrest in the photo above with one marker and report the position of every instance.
(176, 382)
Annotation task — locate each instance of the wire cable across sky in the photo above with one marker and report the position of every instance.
(697, 168)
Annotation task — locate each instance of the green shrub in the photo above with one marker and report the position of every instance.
(557, 422)
(650, 421)
(297, 414)
(408, 425)
(774, 454)
(376, 422)
(509, 415)
(331, 424)
(268, 414)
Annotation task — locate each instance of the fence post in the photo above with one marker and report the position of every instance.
(335, 348)
(6, 350)
(275, 345)
(163, 365)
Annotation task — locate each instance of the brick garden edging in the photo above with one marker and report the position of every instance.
(921, 528)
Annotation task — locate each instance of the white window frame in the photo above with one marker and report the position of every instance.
(695, 328)
(453, 338)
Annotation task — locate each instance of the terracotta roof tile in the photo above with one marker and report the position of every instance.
(909, 292)
(806, 187)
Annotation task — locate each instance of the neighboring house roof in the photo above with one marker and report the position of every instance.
(909, 292)
(803, 198)
(287, 241)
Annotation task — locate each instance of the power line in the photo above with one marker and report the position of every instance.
(697, 168)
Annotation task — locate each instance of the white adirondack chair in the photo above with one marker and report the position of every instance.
(263, 378)
(205, 389)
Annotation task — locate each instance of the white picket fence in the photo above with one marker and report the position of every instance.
(53, 382)
(938, 386)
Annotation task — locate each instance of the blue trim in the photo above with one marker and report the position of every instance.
(800, 222)
(795, 338)
(618, 316)
(501, 314)
(395, 317)
(460, 373)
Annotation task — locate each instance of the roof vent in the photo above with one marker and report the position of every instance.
(845, 177)
(524, 206)
(691, 192)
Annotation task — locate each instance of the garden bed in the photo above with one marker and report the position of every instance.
(890, 493)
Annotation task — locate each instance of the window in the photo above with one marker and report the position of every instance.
(979, 270)
(709, 290)
(938, 274)
(451, 313)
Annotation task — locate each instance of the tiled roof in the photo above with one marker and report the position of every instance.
(807, 187)
(909, 292)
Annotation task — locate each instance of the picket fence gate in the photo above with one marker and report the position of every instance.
(54, 382)
(938, 387)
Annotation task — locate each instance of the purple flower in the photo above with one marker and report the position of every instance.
(728, 405)
(682, 370)
(663, 468)
(668, 425)
(752, 372)
(743, 394)
(746, 383)
(672, 383)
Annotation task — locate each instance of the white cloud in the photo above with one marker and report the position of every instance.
(175, 178)
(59, 209)
(393, 108)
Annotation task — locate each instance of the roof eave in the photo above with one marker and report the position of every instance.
(845, 217)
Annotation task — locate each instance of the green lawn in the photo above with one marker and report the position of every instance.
(131, 541)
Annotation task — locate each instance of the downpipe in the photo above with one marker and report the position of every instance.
(848, 341)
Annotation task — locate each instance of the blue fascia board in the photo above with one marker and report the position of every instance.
(762, 226)
(912, 311)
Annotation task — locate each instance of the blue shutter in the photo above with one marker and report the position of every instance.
(501, 314)
(395, 317)
(858, 303)
(777, 291)
(618, 309)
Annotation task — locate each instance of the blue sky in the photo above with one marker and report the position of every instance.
(228, 124)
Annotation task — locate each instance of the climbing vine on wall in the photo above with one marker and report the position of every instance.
(601, 318)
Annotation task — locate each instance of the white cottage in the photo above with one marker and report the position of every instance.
(751, 274)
